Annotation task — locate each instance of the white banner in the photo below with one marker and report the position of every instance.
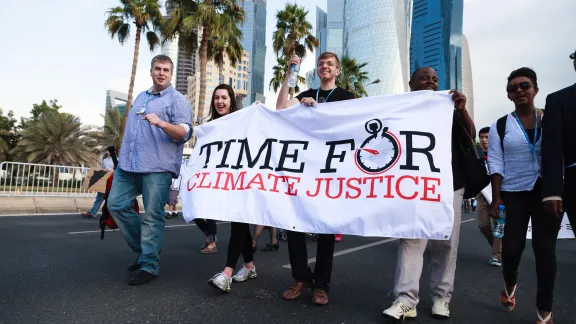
(377, 166)
(565, 228)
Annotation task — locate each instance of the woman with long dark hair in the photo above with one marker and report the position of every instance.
(223, 103)
(514, 159)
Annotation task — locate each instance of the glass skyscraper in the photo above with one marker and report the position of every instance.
(467, 84)
(377, 32)
(437, 40)
(335, 26)
(254, 42)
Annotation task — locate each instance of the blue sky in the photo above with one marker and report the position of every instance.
(62, 51)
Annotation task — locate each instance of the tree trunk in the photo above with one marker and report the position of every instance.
(220, 73)
(203, 62)
(133, 76)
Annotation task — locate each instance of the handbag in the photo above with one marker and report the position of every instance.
(474, 169)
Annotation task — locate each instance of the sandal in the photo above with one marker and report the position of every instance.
(508, 301)
(547, 320)
(209, 250)
(271, 247)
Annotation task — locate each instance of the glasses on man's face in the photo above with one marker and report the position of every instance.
(524, 85)
(322, 63)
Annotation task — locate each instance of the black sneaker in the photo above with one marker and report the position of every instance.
(141, 278)
(135, 266)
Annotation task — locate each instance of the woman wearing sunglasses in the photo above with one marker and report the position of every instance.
(514, 159)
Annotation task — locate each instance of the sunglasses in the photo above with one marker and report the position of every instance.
(525, 85)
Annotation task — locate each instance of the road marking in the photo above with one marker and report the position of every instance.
(115, 230)
(57, 214)
(362, 247)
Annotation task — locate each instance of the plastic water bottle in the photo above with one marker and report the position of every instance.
(293, 77)
(499, 226)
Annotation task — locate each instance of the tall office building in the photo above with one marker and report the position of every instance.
(437, 40)
(321, 30)
(377, 32)
(115, 100)
(236, 77)
(184, 64)
(254, 43)
(467, 84)
(335, 26)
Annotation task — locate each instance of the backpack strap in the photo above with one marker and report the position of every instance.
(501, 129)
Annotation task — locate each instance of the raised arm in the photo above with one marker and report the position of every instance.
(283, 102)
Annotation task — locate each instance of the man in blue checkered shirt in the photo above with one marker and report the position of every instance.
(159, 123)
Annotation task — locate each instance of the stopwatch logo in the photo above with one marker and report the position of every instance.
(380, 151)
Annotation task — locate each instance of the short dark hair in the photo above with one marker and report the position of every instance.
(162, 59)
(326, 55)
(418, 69)
(213, 112)
(524, 72)
(484, 130)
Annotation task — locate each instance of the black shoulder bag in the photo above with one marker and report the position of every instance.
(474, 169)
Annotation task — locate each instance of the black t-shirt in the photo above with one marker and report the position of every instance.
(338, 94)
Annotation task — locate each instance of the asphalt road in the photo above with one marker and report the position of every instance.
(51, 271)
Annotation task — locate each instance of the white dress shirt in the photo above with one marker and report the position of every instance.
(518, 166)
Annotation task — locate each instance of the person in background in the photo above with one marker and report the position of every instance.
(272, 246)
(444, 252)
(107, 164)
(559, 153)
(223, 103)
(172, 200)
(485, 222)
(328, 69)
(514, 165)
(159, 123)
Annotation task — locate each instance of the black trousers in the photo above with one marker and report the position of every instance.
(299, 259)
(519, 207)
(208, 227)
(240, 244)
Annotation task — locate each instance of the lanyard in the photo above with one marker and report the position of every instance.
(524, 130)
(142, 109)
(318, 91)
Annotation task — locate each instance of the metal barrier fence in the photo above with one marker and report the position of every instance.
(29, 179)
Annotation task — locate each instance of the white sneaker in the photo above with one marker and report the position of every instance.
(221, 281)
(441, 309)
(245, 274)
(398, 310)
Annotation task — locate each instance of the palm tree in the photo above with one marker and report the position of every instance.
(189, 17)
(146, 16)
(352, 78)
(57, 139)
(279, 75)
(293, 34)
(226, 42)
(112, 131)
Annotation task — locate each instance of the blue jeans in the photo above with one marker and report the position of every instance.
(144, 235)
(97, 203)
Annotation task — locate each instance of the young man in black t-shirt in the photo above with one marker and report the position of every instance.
(328, 69)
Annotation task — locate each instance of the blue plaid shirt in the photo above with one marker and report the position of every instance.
(146, 148)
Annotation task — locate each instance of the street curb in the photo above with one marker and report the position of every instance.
(37, 206)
